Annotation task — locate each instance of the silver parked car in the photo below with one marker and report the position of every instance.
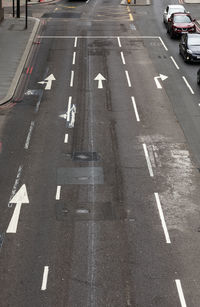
(172, 8)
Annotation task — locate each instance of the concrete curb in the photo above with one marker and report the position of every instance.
(21, 65)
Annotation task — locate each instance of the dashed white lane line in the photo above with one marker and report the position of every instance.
(128, 78)
(135, 109)
(131, 17)
(75, 41)
(69, 108)
(119, 42)
(26, 146)
(72, 79)
(163, 43)
(162, 218)
(66, 138)
(174, 62)
(14, 189)
(45, 278)
(148, 160)
(188, 85)
(122, 57)
(58, 192)
(180, 293)
(74, 58)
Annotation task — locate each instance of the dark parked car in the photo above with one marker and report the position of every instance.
(198, 76)
(180, 23)
(189, 47)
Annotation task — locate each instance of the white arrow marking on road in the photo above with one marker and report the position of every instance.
(48, 81)
(21, 197)
(162, 77)
(100, 78)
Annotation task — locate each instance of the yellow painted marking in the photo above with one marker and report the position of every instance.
(131, 17)
(128, 9)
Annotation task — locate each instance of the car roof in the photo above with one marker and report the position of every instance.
(175, 6)
(193, 34)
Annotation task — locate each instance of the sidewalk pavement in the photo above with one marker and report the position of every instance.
(15, 45)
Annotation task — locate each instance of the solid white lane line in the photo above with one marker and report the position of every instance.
(45, 278)
(123, 59)
(186, 82)
(14, 189)
(128, 78)
(174, 62)
(119, 42)
(26, 146)
(148, 160)
(66, 138)
(135, 109)
(180, 293)
(162, 218)
(163, 43)
(75, 42)
(99, 36)
(74, 58)
(72, 79)
(58, 192)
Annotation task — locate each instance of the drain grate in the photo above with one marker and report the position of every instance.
(85, 156)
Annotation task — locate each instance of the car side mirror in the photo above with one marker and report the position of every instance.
(194, 20)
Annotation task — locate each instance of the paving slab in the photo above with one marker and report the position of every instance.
(15, 45)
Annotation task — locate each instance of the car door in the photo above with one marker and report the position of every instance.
(182, 45)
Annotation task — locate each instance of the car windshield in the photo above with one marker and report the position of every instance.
(174, 10)
(194, 41)
(182, 19)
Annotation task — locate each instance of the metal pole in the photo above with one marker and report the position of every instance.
(26, 17)
(13, 8)
(18, 8)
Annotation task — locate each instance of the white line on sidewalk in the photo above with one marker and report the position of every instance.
(128, 78)
(72, 79)
(162, 218)
(180, 293)
(45, 278)
(26, 146)
(135, 109)
(174, 62)
(186, 82)
(148, 160)
(123, 59)
(58, 192)
(66, 138)
(119, 42)
(74, 58)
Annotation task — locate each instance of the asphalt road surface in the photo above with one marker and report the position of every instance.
(100, 159)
